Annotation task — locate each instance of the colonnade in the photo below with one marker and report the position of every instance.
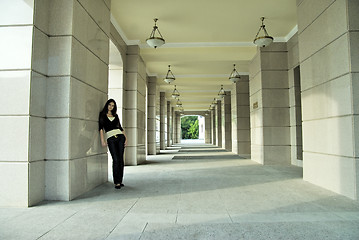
(297, 105)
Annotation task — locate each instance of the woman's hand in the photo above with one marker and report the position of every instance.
(104, 144)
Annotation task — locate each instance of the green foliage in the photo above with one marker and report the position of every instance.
(189, 127)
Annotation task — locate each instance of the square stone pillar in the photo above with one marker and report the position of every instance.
(226, 122)
(163, 121)
(329, 67)
(173, 124)
(135, 107)
(218, 112)
(169, 124)
(55, 71)
(241, 137)
(213, 127)
(151, 115)
(208, 130)
(178, 127)
(269, 105)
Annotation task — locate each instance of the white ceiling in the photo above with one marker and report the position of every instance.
(204, 38)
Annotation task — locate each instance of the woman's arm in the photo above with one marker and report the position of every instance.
(123, 131)
(103, 142)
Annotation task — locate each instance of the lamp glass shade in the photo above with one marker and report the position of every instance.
(155, 42)
(169, 79)
(234, 79)
(263, 41)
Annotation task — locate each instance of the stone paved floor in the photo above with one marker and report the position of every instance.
(193, 191)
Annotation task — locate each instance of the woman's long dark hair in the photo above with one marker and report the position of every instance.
(105, 108)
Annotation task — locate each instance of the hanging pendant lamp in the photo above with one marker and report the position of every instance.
(265, 40)
(178, 103)
(169, 76)
(221, 93)
(175, 93)
(154, 41)
(234, 77)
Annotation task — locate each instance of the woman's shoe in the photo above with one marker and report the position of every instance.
(118, 186)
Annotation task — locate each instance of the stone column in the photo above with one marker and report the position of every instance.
(173, 124)
(151, 115)
(169, 124)
(241, 139)
(226, 122)
(135, 107)
(213, 127)
(295, 108)
(163, 120)
(178, 125)
(208, 130)
(269, 105)
(329, 66)
(218, 112)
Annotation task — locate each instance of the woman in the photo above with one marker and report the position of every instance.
(116, 139)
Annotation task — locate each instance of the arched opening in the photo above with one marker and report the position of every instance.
(192, 128)
(115, 89)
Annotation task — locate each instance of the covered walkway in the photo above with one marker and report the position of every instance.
(193, 191)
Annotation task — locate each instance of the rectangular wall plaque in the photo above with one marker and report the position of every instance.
(255, 105)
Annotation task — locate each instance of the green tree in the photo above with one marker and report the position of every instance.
(189, 127)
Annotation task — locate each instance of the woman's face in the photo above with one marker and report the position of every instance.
(110, 106)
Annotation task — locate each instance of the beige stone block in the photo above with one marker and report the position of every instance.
(308, 11)
(130, 99)
(292, 42)
(61, 12)
(14, 184)
(108, 4)
(97, 171)
(355, 86)
(255, 101)
(243, 87)
(100, 12)
(243, 123)
(17, 13)
(353, 10)
(255, 66)
(329, 63)
(244, 148)
(141, 86)
(88, 67)
(331, 24)
(276, 136)
(15, 90)
(293, 57)
(58, 97)
(354, 51)
(274, 79)
(276, 155)
(255, 84)
(276, 117)
(131, 156)
(131, 133)
(57, 180)
(299, 2)
(328, 100)
(16, 47)
(15, 143)
(40, 52)
(57, 138)
(275, 47)
(257, 153)
(257, 137)
(142, 69)
(141, 102)
(132, 62)
(335, 173)
(131, 81)
(78, 177)
(36, 182)
(291, 80)
(256, 118)
(37, 95)
(41, 15)
(274, 61)
(84, 139)
(59, 61)
(275, 98)
(244, 135)
(329, 136)
(37, 142)
(86, 101)
(356, 135)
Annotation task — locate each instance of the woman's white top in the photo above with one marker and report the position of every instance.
(114, 131)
